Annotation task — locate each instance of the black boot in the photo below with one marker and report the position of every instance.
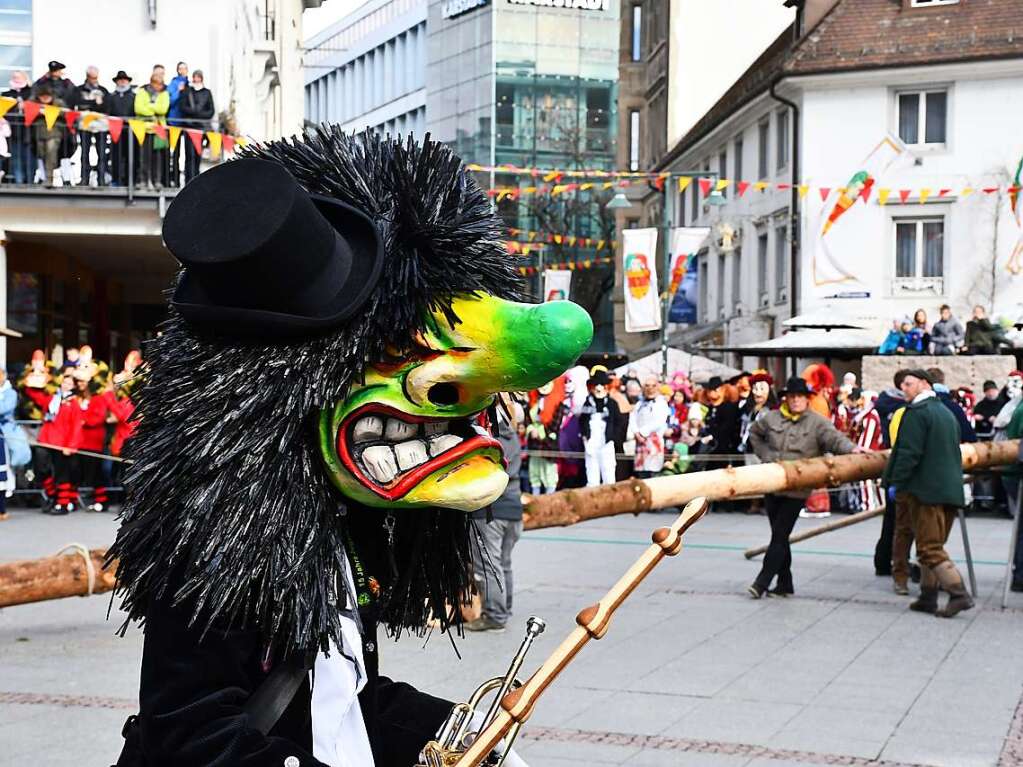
(927, 602)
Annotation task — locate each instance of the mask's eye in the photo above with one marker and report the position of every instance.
(419, 349)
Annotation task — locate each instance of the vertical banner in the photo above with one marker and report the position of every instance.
(557, 284)
(639, 262)
(682, 287)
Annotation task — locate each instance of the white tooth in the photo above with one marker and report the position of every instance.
(380, 463)
(411, 453)
(399, 431)
(481, 430)
(433, 428)
(370, 427)
(444, 442)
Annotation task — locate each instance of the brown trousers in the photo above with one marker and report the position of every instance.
(932, 524)
(902, 539)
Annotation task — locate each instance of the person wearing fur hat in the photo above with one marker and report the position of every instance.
(598, 423)
(314, 430)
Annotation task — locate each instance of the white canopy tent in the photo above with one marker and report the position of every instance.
(698, 368)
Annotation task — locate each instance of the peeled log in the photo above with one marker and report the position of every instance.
(635, 495)
(36, 580)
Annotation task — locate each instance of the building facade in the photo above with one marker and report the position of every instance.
(901, 94)
(87, 265)
(518, 82)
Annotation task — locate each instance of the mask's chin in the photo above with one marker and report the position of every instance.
(390, 459)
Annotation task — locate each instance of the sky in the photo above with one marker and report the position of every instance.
(316, 19)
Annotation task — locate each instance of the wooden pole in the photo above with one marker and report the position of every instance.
(592, 623)
(633, 496)
(837, 524)
(66, 575)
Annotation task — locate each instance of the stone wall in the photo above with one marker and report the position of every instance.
(962, 370)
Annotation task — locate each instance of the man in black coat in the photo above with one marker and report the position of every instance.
(196, 105)
(314, 430)
(90, 96)
(65, 92)
(23, 161)
(122, 106)
(722, 423)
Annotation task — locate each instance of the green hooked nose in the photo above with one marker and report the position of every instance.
(544, 340)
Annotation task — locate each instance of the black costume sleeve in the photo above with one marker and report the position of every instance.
(405, 720)
(191, 698)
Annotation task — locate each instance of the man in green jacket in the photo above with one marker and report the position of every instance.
(1013, 486)
(926, 470)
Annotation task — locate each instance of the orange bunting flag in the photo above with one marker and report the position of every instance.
(803, 190)
(70, 118)
(742, 186)
(175, 135)
(904, 195)
(88, 118)
(989, 189)
(924, 194)
(824, 192)
(6, 104)
(115, 124)
(139, 129)
(943, 192)
(160, 130)
(865, 192)
(31, 110)
(882, 196)
(684, 182)
(215, 140)
(50, 114)
(704, 186)
(783, 187)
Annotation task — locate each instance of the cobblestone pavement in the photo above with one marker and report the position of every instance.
(691, 672)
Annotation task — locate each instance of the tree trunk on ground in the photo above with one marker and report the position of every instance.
(633, 496)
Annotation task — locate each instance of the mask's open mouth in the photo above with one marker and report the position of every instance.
(391, 452)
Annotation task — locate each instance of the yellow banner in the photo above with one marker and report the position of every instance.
(139, 129)
(175, 134)
(215, 140)
(50, 114)
(6, 103)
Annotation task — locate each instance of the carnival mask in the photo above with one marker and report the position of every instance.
(599, 391)
(1014, 386)
(716, 396)
(743, 387)
(415, 434)
(761, 391)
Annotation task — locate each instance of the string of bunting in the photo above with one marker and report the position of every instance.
(572, 240)
(572, 266)
(707, 186)
(139, 127)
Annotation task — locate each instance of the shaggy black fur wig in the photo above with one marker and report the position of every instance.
(229, 508)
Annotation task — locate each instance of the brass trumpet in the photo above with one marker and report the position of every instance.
(455, 736)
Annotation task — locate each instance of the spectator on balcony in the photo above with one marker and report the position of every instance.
(153, 102)
(176, 89)
(982, 335)
(197, 110)
(64, 91)
(22, 146)
(122, 105)
(48, 140)
(90, 96)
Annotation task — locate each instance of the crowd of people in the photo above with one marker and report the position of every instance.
(75, 413)
(947, 336)
(35, 152)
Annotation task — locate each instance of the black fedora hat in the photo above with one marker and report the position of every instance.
(264, 257)
(796, 385)
(121, 75)
(599, 378)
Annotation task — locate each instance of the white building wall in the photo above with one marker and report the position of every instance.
(256, 80)
(844, 118)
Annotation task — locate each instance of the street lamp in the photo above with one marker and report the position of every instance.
(618, 202)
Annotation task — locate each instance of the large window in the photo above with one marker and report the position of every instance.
(762, 289)
(919, 254)
(637, 32)
(15, 38)
(781, 263)
(763, 134)
(782, 139)
(634, 139)
(923, 116)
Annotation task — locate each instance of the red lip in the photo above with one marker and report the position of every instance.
(402, 484)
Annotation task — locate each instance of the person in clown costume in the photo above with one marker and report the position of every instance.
(315, 427)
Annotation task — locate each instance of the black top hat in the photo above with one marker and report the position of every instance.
(715, 382)
(796, 385)
(55, 66)
(263, 256)
(600, 378)
(121, 75)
